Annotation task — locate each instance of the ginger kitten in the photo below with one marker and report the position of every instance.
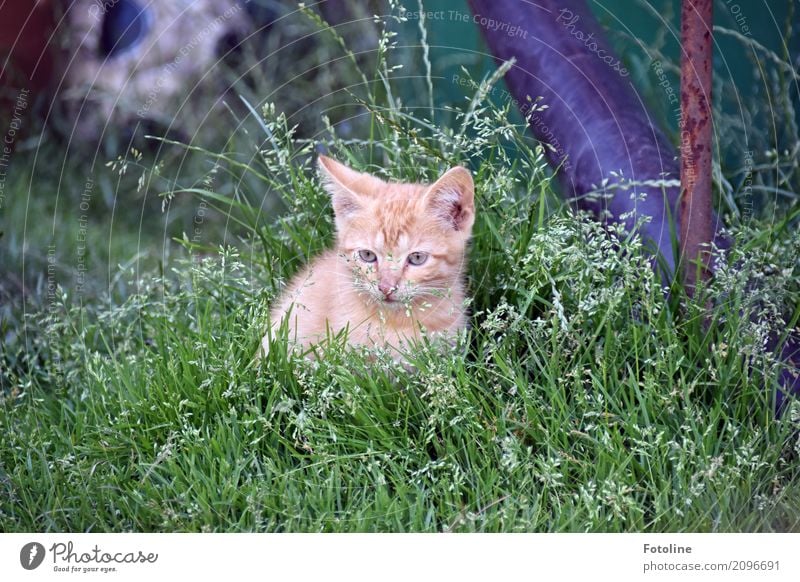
(398, 267)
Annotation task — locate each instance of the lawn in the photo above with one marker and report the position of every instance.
(587, 395)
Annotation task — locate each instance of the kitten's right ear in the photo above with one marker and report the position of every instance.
(452, 199)
(341, 183)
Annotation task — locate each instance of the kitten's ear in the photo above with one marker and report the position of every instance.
(452, 199)
(341, 183)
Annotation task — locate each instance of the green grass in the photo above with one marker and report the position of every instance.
(583, 397)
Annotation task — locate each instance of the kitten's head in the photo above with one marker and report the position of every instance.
(405, 242)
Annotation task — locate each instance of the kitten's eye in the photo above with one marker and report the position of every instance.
(367, 256)
(417, 258)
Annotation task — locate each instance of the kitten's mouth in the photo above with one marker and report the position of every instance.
(391, 302)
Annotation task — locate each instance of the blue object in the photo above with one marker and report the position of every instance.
(125, 25)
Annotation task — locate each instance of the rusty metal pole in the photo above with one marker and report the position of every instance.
(696, 228)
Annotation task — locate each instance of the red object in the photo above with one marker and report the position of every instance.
(696, 135)
(26, 46)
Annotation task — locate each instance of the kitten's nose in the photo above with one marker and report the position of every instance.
(386, 288)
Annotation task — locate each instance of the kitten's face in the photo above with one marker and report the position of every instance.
(405, 243)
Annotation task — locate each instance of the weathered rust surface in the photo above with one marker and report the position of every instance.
(696, 223)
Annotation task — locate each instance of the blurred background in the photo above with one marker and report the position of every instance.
(108, 107)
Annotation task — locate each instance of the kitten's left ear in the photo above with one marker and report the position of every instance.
(452, 199)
